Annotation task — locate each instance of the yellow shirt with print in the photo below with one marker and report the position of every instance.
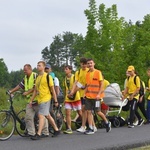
(80, 76)
(43, 94)
(67, 89)
(132, 86)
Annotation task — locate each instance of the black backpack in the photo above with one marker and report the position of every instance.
(60, 97)
(141, 91)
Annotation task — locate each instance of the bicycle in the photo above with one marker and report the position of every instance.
(56, 113)
(10, 121)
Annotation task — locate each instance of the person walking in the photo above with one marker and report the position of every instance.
(148, 99)
(79, 85)
(43, 93)
(93, 95)
(141, 101)
(73, 103)
(104, 107)
(132, 93)
(27, 84)
(48, 70)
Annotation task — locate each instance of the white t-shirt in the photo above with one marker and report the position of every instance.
(56, 81)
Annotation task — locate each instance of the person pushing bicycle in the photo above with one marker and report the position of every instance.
(27, 84)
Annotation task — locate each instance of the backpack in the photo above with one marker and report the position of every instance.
(60, 97)
(141, 91)
(68, 86)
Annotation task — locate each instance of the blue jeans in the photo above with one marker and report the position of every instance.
(148, 110)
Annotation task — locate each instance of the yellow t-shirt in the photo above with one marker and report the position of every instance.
(148, 87)
(68, 88)
(44, 93)
(105, 84)
(132, 86)
(80, 76)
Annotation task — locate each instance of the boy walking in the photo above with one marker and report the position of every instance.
(93, 94)
(79, 84)
(43, 94)
(71, 103)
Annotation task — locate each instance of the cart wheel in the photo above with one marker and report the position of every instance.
(116, 122)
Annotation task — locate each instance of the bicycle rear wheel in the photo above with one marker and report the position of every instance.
(51, 129)
(59, 119)
(7, 125)
(20, 124)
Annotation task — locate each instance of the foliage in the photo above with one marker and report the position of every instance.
(3, 98)
(112, 42)
(18, 101)
(63, 50)
(16, 78)
(4, 75)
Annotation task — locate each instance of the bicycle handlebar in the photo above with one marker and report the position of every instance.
(12, 95)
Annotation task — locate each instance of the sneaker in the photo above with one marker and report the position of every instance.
(56, 133)
(44, 135)
(36, 137)
(27, 135)
(68, 131)
(108, 127)
(95, 128)
(135, 123)
(140, 122)
(130, 126)
(81, 129)
(89, 131)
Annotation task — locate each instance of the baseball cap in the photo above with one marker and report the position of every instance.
(48, 66)
(131, 68)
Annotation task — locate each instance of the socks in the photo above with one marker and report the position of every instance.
(91, 127)
(106, 122)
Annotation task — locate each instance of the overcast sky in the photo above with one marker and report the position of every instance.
(28, 26)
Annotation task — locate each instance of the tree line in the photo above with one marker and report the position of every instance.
(112, 42)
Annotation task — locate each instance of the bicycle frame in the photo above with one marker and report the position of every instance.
(12, 111)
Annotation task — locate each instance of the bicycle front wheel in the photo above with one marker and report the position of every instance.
(7, 125)
(20, 123)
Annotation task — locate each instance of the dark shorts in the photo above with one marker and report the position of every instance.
(92, 104)
(82, 101)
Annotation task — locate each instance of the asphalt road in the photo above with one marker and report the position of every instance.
(121, 138)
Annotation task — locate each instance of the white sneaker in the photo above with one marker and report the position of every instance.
(81, 129)
(136, 122)
(95, 128)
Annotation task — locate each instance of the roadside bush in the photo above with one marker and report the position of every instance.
(3, 98)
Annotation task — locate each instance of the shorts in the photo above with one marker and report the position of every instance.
(44, 108)
(82, 101)
(92, 104)
(73, 105)
(104, 106)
